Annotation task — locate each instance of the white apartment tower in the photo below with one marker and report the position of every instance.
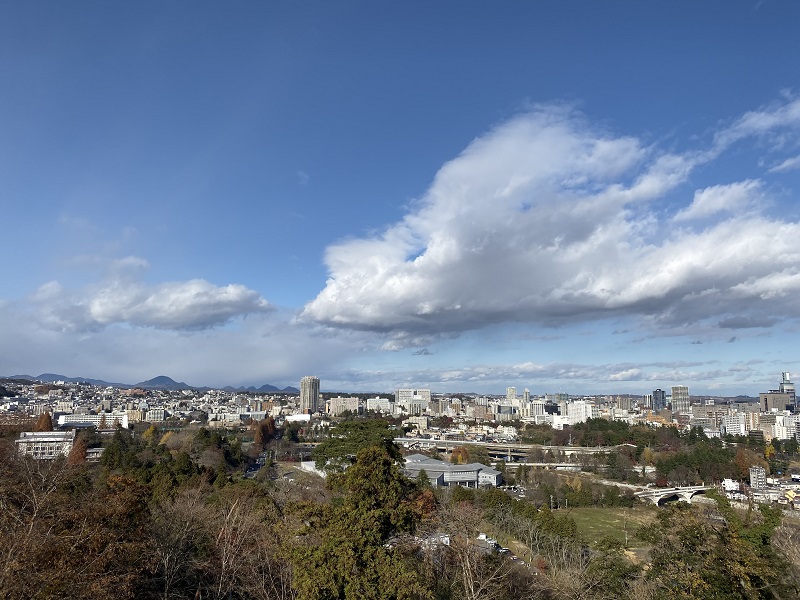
(680, 399)
(309, 394)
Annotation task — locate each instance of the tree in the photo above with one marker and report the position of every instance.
(44, 422)
(480, 573)
(77, 456)
(349, 548)
(727, 556)
(744, 459)
(459, 455)
(347, 439)
(263, 432)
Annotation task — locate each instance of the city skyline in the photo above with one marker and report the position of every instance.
(459, 197)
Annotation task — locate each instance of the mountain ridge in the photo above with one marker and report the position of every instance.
(160, 382)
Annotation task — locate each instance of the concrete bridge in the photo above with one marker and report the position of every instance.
(656, 495)
(510, 452)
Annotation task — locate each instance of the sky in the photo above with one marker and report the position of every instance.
(580, 197)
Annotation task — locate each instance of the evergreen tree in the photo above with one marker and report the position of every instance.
(346, 549)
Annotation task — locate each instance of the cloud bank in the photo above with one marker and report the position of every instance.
(547, 218)
(189, 305)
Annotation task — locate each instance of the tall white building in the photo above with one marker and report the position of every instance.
(680, 399)
(579, 411)
(309, 394)
(412, 402)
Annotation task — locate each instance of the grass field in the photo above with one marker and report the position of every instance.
(596, 523)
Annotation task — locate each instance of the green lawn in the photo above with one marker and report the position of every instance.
(596, 523)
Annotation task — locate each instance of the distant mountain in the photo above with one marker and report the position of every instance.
(162, 382)
(53, 377)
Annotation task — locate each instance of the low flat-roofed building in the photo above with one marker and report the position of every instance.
(442, 473)
(45, 445)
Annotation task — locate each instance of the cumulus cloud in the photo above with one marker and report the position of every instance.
(547, 218)
(183, 305)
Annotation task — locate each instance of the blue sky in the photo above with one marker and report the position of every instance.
(568, 196)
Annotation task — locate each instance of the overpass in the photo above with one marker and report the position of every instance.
(509, 452)
(656, 495)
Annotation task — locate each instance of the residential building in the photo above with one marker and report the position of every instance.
(337, 406)
(309, 394)
(680, 399)
(758, 477)
(659, 399)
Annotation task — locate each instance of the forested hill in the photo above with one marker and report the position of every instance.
(196, 513)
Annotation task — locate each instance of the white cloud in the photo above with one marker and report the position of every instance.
(546, 218)
(183, 305)
(731, 198)
(790, 164)
(267, 348)
(595, 377)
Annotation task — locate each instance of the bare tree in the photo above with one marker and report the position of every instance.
(482, 572)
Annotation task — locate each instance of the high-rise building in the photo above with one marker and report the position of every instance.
(309, 394)
(511, 394)
(787, 387)
(680, 400)
(659, 399)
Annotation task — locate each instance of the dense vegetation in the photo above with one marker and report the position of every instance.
(169, 514)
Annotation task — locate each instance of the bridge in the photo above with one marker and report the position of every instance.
(509, 452)
(656, 495)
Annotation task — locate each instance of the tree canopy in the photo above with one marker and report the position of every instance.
(348, 438)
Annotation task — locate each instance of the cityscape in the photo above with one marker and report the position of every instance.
(354, 300)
